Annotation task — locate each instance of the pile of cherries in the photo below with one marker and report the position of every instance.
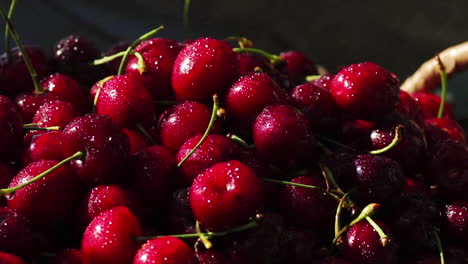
(201, 152)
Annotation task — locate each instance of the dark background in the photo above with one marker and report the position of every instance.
(397, 34)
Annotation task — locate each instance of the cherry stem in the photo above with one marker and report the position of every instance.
(37, 86)
(392, 144)
(207, 131)
(338, 214)
(273, 58)
(310, 78)
(369, 210)
(328, 175)
(6, 191)
(52, 128)
(7, 31)
(206, 242)
(96, 96)
(334, 196)
(443, 83)
(243, 42)
(107, 59)
(141, 63)
(186, 18)
(208, 234)
(145, 133)
(439, 246)
(239, 141)
(383, 237)
(133, 46)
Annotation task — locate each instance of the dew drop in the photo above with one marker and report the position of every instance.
(10, 196)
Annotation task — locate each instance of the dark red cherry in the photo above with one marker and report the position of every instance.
(203, 68)
(282, 135)
(137, 141)
(55, 113)
(7, 172)
(159, 55)
(15, 233)
(63, 87)
(110, 237)
(43, 146)
(250, 94)
(450, 127)
(212, 257)
(152, 172)
(299, 66)
(48, 200)
(226, 195)
(409, 107)
(105, 145)
(455, 222)
(28, 103)
(297, 201)
(324, 81)
(14, 75)
(341, 165)
(429, 104)
(68, 256)
(165, 250)
(113, 65)
(11, 129)
(72, 56)
(366, 90)
(379, 179)
(318, 106)
(8, 258)
(214, 149)
(362, 245)
(247, 62)
(126, 101)
(184, 121)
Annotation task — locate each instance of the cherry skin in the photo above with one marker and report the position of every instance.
(110, 237)
(184, 121)
(455, 219)
(68, 256)
(362, 244)
(43, 146)
(63, 87)
(250, 94)
(282, 135)
(299, 66)
(28, 103)
(106, 146)
(324, 81)
(138, 142)
(226, 195)
(214, 149)
(48, 200)
(159, 55)
(429, 104)
(167, 250)
(203, 68)
(11, 129)
(126, 101)
(15, 233)
(409, 107)
(366, 90)
(10, 259)
(450, 127)
(212, 257)
(247, 62)
(55, 113)
(113, 65)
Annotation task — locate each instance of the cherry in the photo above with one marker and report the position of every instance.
(69, 256)
(455, 219)
(184, 121)
(168, 250)
(54, 113)
(324, 81)
(318, 106)
(379, 179)
(126, 101)
(409, 107)
(180, 218)
(250, 94)
(362, 244)
(11, 129)
(226, 195)
(28, 103)
(10, 259)
(203, 68)
(448, 126)
(43, 146)
(63, 87)
(299, 66)
(247, 62)
(114, 49)
(106, 148)
(15, 233)
(110, 237)
(429, 104)
(152, 170)
(214, 149)
(297, 201)
(159, 55)
(366, 90)
(282, 135)
(7, 172)
(138, 142)
(14, 75)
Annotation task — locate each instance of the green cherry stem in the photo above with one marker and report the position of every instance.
(6, 191)
(369, 210)
(310, 78)
(328, 175)
(186, 18)
(96, 96)
(107, 59)
(7, 31)
(338, 214)
(392, 144)
(239, 141)
(208, 234)
(141, 63)
(52, 128)
(133, 46)
(439, 246)
(443, 83)
(383, 237)
(334, 196)
(207, 131)
(206, 242)
(37, 86)
(273, 58)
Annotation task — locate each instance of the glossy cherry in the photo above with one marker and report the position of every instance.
(16, 233)
(11, 129)
(55, 113)
(449, 126)
(10, 259)
(165, 250)
(247, 62)
(137, 141)
(409, 107)
(455, 222)
(63, 87)
(429, 104)
(299, 66)
(113, 65)
(43, 146)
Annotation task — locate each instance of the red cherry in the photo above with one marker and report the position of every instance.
(7, 258)
(63, 87)
(366, 90)
(15, 233)
(11, 129)
(203, 68)
(430, 103)
(247, 62)
(54, 113)
(116, 48)
(449, 126)
(409, 107)
(110, 237)
(324, 81)
(455, 222)
(165, 250)
(28, 103)
(299, 66)
(43, 146)
(126, 101)
(137, 141)
(226, 195)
